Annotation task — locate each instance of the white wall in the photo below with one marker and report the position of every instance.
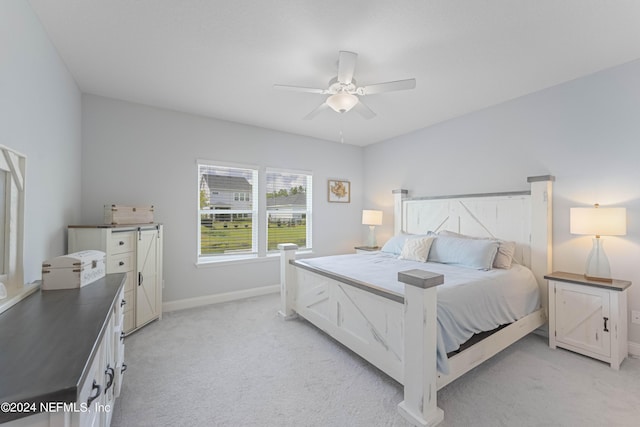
(134, 154)
(40, 114)
(585, 132)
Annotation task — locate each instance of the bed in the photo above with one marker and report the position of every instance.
(396, 313)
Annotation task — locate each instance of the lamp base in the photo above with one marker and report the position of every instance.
(371, 242)
(598, 264)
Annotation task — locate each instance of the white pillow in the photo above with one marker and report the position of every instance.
(395, 244)
(474, 253)
(416, 249)
(506, 250)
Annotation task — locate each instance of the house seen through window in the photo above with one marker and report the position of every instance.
(239, 218)
(288, 209)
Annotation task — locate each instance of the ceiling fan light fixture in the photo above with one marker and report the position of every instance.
(342, 102)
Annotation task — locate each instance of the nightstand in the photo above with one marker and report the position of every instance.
(366, 249)
(588, 317)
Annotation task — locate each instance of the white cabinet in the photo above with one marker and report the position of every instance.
(98, 345)
(135, 250)
(588, 317)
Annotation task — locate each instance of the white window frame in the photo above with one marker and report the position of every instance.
(259, 212)
(205, 259)
(308, 211)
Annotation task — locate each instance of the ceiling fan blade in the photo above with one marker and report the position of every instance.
(364, 111)
(317, 111)
(388, 87)
(300, 89)
(346, 66)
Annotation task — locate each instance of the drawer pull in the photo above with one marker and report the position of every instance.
(121, 263)
(111, 373)
(98, 389)
(121, 243)
(605, 324)
(124, 368)
(122, 336)
(123, 303)
(140, 279)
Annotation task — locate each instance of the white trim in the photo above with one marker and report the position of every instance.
(218, 298)
(231, 165)
(634, 350)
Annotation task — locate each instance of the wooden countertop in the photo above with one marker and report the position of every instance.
(561, 276)
(48, 342)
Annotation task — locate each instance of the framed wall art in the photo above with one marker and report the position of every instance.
(339, 191)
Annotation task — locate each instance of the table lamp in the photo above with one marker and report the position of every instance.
(597, 221)
(372, 218)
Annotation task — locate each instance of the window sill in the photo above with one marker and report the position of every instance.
(245, 259)
(14, 296)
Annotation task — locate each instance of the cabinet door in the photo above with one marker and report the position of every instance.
(147, 289)
(580, 318)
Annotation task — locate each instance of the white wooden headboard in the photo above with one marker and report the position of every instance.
(523, 217)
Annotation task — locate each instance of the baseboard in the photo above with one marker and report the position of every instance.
(217, 298)
(634, 349)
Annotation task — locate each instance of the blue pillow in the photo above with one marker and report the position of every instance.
(478, 254)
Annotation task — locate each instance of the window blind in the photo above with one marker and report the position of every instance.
(289, 208)
(227, 210)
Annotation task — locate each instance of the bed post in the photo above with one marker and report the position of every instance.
(541, 232)
(398, 215)
(420, 341)
(287, 280)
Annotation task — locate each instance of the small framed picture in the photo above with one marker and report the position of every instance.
(339, 191)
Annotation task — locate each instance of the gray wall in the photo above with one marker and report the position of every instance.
(585, 132)
(134, 154)
(40, 114)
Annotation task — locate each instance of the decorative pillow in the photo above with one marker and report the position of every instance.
(396, 243)
(506, 250)
(416, 249)
(474, 253)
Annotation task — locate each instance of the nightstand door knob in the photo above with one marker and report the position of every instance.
(605, 324)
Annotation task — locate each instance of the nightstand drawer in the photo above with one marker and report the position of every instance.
(583, 320)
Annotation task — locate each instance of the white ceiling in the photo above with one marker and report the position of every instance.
(221, 58)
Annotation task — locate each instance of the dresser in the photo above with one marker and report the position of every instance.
(135, 250)
(62, 359)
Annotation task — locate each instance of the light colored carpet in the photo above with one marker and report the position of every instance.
(238, 364)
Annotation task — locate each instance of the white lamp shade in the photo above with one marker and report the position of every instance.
(342, 102)
(598, 221)
(371, 217)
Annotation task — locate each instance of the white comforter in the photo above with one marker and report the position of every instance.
(470, 301)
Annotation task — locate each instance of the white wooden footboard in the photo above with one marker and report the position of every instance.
(371, 322)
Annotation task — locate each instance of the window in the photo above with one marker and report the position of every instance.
(227, 217)
(288, 209)
(246, 211)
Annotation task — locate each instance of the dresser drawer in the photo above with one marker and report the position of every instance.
(122, 263)
(122, 242)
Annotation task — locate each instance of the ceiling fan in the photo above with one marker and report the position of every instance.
(343, 91)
